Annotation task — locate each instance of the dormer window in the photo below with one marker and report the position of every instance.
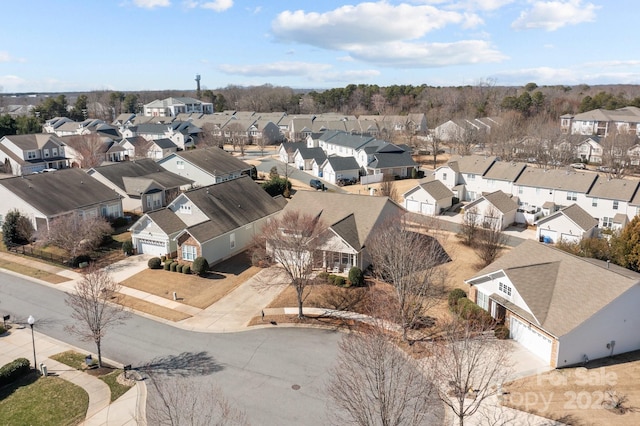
(31, 155)
(54, 152)
(185, 208)
(45, 152)
(505, 289)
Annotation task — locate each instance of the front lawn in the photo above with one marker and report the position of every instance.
(36, 400)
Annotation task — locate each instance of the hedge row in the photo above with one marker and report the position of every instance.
(14, 370)
(169, 265)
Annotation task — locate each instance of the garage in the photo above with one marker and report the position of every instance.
(536, 342)
(154, 248)
(548, 236)
(412, 205)
(426, 209)
(570, 238)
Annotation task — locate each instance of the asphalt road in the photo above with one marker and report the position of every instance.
(256, 370)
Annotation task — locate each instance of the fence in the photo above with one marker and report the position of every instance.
(364, 180)
(39, 254)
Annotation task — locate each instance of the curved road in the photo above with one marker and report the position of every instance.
(256, 370)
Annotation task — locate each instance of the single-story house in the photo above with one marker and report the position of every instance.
(429, 198)
(206, 166)
(570, 224)
(304, 157)
(565, 309)
(43, 197)
(216, 221)
(496, 209)
(335, 168)
(350, 219)
(287, 150)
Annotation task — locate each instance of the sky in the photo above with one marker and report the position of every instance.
(135, 45)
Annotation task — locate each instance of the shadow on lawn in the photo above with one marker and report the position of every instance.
(9, 389)
(235, 265)
(183, 365)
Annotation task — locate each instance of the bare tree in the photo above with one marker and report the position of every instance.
(409, 261)
(375, 383)
(90, 149)
(468, 365)
(615, 153)
(388, 187)
(182, 401)
(75, 234)
(490, 239)
(291, 239)
(93, 307)
(469, 226)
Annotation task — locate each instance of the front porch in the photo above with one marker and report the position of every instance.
(335, 262)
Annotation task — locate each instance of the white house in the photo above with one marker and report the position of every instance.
(335, 168)
(206, 166)
(26, 154)
(570, 224)
(494, 210)
(171, 107)
(463, 175)
(589, 150)
(501, 176)
(428, 198)
(565, 309)
(609, 198)
(602, 122)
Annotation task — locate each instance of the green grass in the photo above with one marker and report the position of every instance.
(36, 400)
(117, 390)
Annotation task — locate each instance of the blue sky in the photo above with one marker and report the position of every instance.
(130, 45)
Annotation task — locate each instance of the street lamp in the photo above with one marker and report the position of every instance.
(31, 320)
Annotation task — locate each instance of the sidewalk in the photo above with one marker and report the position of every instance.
(125, 411)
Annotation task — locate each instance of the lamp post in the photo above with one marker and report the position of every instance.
(31, 320)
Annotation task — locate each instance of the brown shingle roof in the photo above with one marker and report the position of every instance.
(501, 170)
(214, 160)
(614, 189)
(577, 214)
(561, 290)
(564, 180)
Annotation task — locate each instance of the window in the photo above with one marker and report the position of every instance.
(444, 176)
(471, 176)
(594, 202)
(572, 196)
(31, 155)
(185, 208)
(537, 191)
(180, 164)
(189, 252)
(504, 289)
(520, 190)
(54, 151)
(46, 153)
(607, 222)
(615, 204)
(482, 300)
(232, 240)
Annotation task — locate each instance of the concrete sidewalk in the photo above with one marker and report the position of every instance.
(125, 411)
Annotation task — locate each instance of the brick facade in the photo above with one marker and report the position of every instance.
(187, 239)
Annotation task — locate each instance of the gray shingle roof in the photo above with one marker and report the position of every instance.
(576, 214)
(472, 164)
(213, 160)
(61, 191)
(614, 189)
(144, 168)
(343, 163)
(167, 220)
(562, 290)
(501, 201)
(507, 171)
(436, 189)
(565, 180)
(230, 205)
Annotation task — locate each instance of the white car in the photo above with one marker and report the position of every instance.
(578, 166)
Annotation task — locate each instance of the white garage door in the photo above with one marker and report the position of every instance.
(154, 248)
(569, 238)
(548, 236)
(530, 338)
(412, 205)
(426, 208)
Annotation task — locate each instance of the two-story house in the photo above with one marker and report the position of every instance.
(206, 166)
(26, 154)
(464, 175)
(171, 107)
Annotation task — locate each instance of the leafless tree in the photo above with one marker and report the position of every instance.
(291, 239)
(183, 401)
(75, 234)
(615, 153)
(467, 365)
(490, 239)
(375, 383)
(208, 136)
(90, 149)
(469, 226)
(388, 187)
(93, 309)
(408, 260)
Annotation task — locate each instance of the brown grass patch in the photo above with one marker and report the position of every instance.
(32, 272)
(151, 308)
(200, 292)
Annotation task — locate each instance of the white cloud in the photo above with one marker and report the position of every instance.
(348, 76)
(580, 74)
(553, 15)
(483, 5)
(274, 69)
(426, 55)
(6, 57)
(364, 24)
(151, 4)
(218, 5)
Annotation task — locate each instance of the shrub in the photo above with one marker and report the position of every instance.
(172, 266)
(154, 263)
(127, 247)
(76, 261)
(339, 281)
(469, 311)
(14, 370)
(200, 266)
(454, 296)
(167, 265)
(2, 330)
(163, 258)
(322, 276)
(356, 277)
(331, 279)
(119, 222)
(186, 269)
(179, 267)
(501, 332)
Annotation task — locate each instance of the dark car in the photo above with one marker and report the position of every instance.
(317, 184)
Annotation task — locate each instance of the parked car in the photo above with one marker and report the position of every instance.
(316, 183)
(604, 169)
(579, 166)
